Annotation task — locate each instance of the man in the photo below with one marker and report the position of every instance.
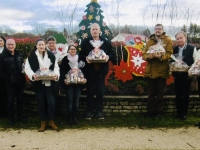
(11, 62)
(157, 70)
(95, 72)
(182, 82)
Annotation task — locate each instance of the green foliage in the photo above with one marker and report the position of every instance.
(25, 48)
(115, 120)
(25, 45)
(140, 82)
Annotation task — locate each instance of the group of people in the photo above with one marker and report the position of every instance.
(157, 71)
(45, 56)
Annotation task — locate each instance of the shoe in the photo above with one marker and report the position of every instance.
(43, 126)
(183, 117)
(23, 120)
(100, 116)
(70, 121)
(177, 116)
(11, 122)
(89, 116)
(150, 115)
(197, 124)
(53, 126)
(158, 115)
(75, 120)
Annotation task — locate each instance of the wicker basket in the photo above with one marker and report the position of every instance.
(174, 69)
(46, 77)
(97, 60)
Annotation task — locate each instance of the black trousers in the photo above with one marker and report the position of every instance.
(95, 85)
(155, 94)
(3, 100)
(13, 91)
(182, 85)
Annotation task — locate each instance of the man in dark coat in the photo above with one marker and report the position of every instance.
(11, 62)
(95, 72)
(182, 81)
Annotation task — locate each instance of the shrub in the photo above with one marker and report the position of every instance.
(24, 45)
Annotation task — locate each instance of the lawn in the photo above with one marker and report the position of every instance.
(112, 121)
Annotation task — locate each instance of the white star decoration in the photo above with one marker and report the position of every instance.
(137, 60)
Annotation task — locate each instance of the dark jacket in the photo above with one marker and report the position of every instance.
(11, 68)
(34, 64)
(2, 82)
(187, 54)
(187, 57)
(158, 68)
(86, 47)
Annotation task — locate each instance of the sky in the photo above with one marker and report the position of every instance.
(24, 15)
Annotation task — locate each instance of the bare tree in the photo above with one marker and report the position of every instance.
(38, 28)
(115, 11)
(66, 13)
(9, 30)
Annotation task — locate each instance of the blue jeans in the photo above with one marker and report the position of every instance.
(73, 93)
(11, 92)
(46, 92)
(95, 85)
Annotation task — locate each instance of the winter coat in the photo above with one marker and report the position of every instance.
(158, 67)
(11, 68)
(86, 48)
(32, 65)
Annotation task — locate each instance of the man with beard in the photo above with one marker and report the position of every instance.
(157, 69)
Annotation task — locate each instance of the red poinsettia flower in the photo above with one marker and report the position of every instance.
(123, 72)
(170, 80)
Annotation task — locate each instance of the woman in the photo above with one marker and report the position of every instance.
(40, 58)
(51, 45)
(73, 91)
(3, 97)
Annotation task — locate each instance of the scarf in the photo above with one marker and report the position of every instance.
(73, 61)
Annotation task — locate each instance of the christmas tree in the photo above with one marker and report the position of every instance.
(93, 15)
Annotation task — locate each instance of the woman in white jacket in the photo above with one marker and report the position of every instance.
(40, 58)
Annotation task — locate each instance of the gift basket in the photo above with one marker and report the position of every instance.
(97, 55)
(195, 69)
(75, 76)
(178, 65)
(158, 48)
(45, 74)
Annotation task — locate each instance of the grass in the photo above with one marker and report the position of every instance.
(111, 121)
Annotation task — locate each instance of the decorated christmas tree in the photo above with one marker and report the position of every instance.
(93, 15)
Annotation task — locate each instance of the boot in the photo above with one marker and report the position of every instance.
(43, 125)
(75, 120)
(53, 126)
(71, 122)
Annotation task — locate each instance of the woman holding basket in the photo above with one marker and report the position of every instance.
(39, 62)
(72, 79)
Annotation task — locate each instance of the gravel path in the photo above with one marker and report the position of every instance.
(101, 139)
